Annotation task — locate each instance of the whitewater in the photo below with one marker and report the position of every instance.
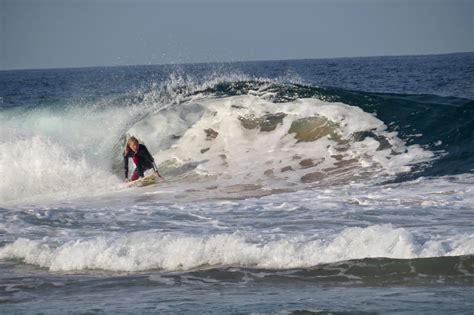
(287, 184)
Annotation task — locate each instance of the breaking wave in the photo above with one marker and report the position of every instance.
(265, 134)
(150, 250)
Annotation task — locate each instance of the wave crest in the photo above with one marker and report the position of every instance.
(141, 251)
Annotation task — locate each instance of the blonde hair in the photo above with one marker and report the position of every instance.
(130, 140)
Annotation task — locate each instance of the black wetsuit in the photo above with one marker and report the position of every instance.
(143, 161)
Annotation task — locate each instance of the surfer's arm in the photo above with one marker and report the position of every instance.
(150, 157)
(155, 168)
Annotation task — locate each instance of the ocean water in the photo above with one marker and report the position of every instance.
(291, 187)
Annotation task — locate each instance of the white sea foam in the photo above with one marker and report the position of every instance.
(54, 153)
(37, 166)
(211, 134)
(176, 252)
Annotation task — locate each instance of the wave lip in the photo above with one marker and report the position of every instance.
(141, 251)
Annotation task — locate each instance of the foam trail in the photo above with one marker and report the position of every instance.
(152, 250)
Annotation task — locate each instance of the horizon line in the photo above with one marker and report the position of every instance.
(234, 61)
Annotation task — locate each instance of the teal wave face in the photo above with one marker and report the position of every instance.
(442, 124)
(453, 270)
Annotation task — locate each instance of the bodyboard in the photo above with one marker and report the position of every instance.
(144, 181)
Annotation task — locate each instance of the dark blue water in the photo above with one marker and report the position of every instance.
(441, 75)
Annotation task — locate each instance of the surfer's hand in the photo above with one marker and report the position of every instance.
(158, 174)
(126, 180)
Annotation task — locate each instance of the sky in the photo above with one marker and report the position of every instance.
(73, 33)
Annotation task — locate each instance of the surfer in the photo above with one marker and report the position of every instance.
(141, 157)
